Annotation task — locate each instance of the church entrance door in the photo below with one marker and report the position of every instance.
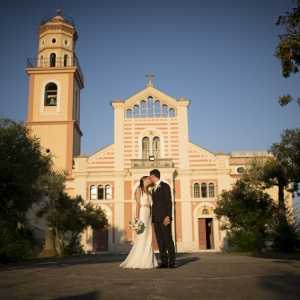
(100, 239)
(205, 231)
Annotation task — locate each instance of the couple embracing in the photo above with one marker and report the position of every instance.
(154, 205)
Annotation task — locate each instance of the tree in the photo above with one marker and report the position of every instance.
(267, 172)
(274, 173)
(287, 153)
(282, 169)
(249, 213)
(67, 217)
(285, 233)
(22, 169)
(288, 48)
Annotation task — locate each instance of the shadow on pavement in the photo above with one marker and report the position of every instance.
(86, 296)
(61, 262)
(185, 260)
(283, 284)
(58, 262)
(292, 263)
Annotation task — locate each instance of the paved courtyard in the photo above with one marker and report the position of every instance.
(198, 276)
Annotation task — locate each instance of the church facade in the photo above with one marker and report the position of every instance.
(150, 131)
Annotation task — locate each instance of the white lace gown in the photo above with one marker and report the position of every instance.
(141, 255)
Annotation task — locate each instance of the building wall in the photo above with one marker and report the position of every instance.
(114, 164)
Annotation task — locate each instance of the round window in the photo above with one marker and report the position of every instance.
(240, 170)
(66, 42)
(53, 41)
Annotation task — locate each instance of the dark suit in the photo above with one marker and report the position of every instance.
(161, 208)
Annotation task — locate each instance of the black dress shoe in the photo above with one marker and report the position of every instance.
(162, 266)
(172, 266)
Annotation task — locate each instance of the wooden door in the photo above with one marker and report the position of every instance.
(202, 233)
(100, 239)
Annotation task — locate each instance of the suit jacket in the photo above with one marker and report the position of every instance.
(162, 203)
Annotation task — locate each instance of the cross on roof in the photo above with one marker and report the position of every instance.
(150, 78)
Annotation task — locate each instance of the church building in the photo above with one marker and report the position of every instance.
(150, 131)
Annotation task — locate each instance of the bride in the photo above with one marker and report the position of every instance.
(141, 255)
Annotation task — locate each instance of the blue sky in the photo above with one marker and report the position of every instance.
(219, 54)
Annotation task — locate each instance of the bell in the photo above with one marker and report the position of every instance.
(52, 101)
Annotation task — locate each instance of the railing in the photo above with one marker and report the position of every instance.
(67, 19)
(58, 62)
(147, 164)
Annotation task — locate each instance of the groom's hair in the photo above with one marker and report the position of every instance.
(155, 173)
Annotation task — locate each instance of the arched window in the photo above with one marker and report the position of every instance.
(156, 147)
(65, 60)
(143, 108)
(150, 106)
(52, 59)
(129, 113)
(196, 190)
(50, 98)
(100, 192)
(165, 110)
(136, 111)
(157, 108)
(93, 192)
(211, 190)
(203, 190)
(108, 192)
(145, 147)
(171, 112)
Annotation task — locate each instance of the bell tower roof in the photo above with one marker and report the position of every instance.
(59, 21)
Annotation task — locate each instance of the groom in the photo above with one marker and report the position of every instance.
(162, 217)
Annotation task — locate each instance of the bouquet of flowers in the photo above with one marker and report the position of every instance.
(137, 225)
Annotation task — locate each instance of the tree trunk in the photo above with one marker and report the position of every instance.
(281, 203)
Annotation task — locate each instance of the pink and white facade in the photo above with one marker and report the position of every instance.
(151, 131)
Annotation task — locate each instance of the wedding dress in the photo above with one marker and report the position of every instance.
(141, 255)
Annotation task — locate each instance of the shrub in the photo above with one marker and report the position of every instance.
(16, 244)
(285, 235)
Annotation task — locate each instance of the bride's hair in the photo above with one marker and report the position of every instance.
(141, 185)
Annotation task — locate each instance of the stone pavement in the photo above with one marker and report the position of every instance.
(198, 276)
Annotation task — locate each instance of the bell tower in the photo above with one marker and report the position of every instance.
(55, 81)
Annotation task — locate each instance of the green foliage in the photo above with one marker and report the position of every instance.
(245, 240)
(285, 99)
(282, 169)
(68, 217)
(249, 212)
(22, 166)
(22, 169)
(285, 234)
(16, 244)
(253, 218)
(287, 153)
(26, 178)
(288, 48)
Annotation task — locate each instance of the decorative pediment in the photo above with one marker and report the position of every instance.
(106, 152)
(200, 151)
(147, 92)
